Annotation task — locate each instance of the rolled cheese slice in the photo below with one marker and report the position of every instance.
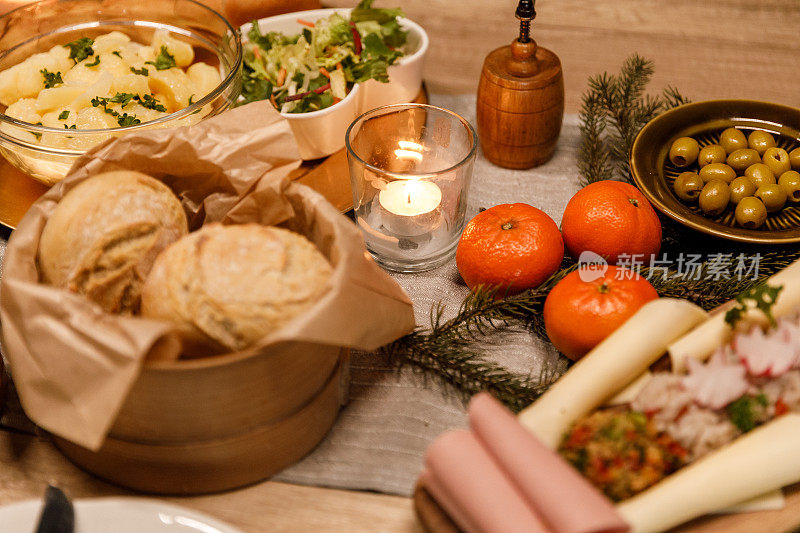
(701, 342)
(612, 365)
(762, 460)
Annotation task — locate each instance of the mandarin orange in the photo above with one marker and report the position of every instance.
(512, 247)
(588, 305)
(611, 218)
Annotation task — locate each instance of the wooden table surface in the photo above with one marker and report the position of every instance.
(709, 49)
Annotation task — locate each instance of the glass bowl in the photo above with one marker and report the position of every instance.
(40, 26)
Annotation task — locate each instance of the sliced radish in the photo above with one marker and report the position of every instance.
(765, 355)
(717, 383)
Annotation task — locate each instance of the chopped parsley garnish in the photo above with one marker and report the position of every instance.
(116, 53)
(149, 101)
(80, 49)
(744, 412)
(64, 115)
(94, 63)
(122, 98)
(70, 127)
(761, 297)
(164, 60)
(127, 120)
(140, 71)
(36, 134)
(51, 79)
(191, 99)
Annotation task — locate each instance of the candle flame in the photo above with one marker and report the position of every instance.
(408, 154)
(410, 145)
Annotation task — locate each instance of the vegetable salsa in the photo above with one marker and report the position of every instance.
(318, 67)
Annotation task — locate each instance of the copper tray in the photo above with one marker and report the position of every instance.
(329, 176)
(654, 174)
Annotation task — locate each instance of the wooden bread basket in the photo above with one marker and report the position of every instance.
(214, 424)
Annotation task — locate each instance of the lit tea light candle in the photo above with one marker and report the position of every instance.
(412, 207)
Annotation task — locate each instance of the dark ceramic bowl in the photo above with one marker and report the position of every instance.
(654, 174)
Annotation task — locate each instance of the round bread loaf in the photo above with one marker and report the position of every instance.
(104, 235)
(226, 287)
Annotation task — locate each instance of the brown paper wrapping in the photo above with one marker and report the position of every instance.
(73, 364)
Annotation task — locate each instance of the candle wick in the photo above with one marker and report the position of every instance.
(409, 198)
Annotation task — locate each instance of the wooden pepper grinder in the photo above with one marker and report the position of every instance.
(520, 100)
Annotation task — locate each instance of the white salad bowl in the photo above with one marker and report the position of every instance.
(321, 133)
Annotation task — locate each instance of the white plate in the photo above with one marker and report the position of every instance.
(120, 515)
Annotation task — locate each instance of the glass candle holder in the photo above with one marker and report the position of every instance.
(410, 169)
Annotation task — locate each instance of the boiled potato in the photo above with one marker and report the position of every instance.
(109, 42)
(8, 85)
(181, 51)
(28, 79)
(130, 83)
(142, 113)
(205, 77)
(94, 118)
(25, 110)
(61, 96)
(80, 74)
(174, 85)
(51, 120)
(100, 88)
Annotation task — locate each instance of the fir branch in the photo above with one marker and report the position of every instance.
(454, 362)
(622, 107)
(593, 163)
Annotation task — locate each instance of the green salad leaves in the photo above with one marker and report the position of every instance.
(317, 67)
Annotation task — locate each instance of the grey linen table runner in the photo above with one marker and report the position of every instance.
(379, 440)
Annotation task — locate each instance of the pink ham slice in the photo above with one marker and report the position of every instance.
(473, 490)
(561, 496)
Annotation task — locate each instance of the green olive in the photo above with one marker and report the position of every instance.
(688, 186)
(777, 159)
(684, 152)
(741, 187)
(714, 197)
(732, 140)
(773, 196)
(743, 158)
(794, 158)
(717, 171)
(750, 213)
(713, 153)
(790, 183)
(760, 140)
(760, 174)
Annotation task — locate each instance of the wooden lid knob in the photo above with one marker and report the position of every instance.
(523, 59)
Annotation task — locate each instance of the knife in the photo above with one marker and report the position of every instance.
(57, 516)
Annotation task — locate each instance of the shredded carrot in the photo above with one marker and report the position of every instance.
(305, 23)
(339, 66)
(272, 99)
(281, 76)
(324, 72)
(336, 99)
(256, 52)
